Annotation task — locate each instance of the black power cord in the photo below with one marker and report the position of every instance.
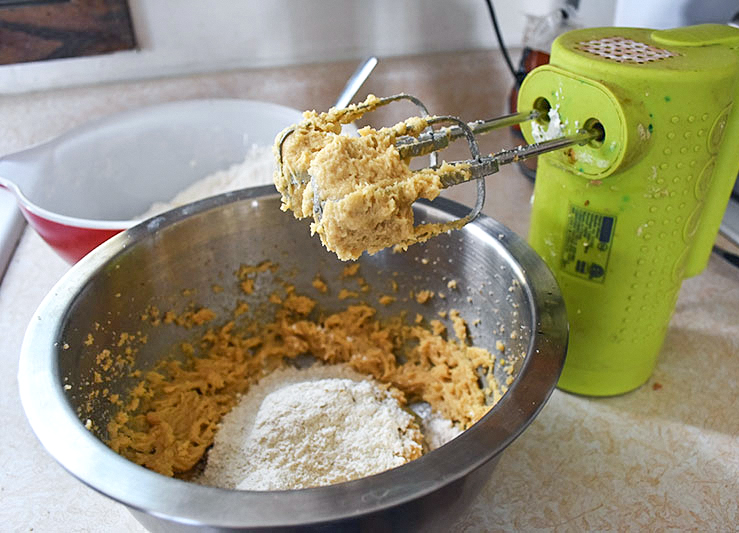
(730, 257)
(518, 74)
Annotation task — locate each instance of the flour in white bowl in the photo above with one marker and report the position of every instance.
(257, 169)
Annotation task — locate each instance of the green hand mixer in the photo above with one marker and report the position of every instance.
(623, 220)
(639, 150)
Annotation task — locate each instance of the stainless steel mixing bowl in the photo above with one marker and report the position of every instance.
(175, 259)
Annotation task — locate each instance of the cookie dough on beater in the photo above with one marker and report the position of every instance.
(358, 190)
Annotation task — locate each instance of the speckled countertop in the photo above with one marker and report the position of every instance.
(665, 457)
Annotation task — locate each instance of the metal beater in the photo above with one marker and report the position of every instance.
(431, 141)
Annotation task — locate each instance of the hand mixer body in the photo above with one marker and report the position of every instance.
(623, 221)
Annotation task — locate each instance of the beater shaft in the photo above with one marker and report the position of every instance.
(438, 140)
(430, 142)
(526, 151)
(484, 166)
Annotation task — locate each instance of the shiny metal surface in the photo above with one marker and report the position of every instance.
(355, 81)
(501, 282)
(527, 151)
(438, 140)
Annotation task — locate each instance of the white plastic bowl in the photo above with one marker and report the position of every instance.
(85, 186)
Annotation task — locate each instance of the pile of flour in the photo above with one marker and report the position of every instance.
(313, 427)
(257, 169)
(437, 429)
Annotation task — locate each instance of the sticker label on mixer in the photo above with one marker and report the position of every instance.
(587, 243)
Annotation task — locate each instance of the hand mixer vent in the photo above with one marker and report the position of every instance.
(622, 50)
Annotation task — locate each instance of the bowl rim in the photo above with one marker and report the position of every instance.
(176, 107)
(90, 460)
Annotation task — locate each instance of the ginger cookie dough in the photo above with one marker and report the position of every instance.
(170, 418)
(358, 190)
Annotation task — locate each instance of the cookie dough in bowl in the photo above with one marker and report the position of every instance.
(234, 277)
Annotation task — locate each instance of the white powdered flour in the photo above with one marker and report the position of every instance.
(310, 427)
(553, 130)
(257, 169)
(437, 429)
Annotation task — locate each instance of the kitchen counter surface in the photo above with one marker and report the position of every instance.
(664, 457)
